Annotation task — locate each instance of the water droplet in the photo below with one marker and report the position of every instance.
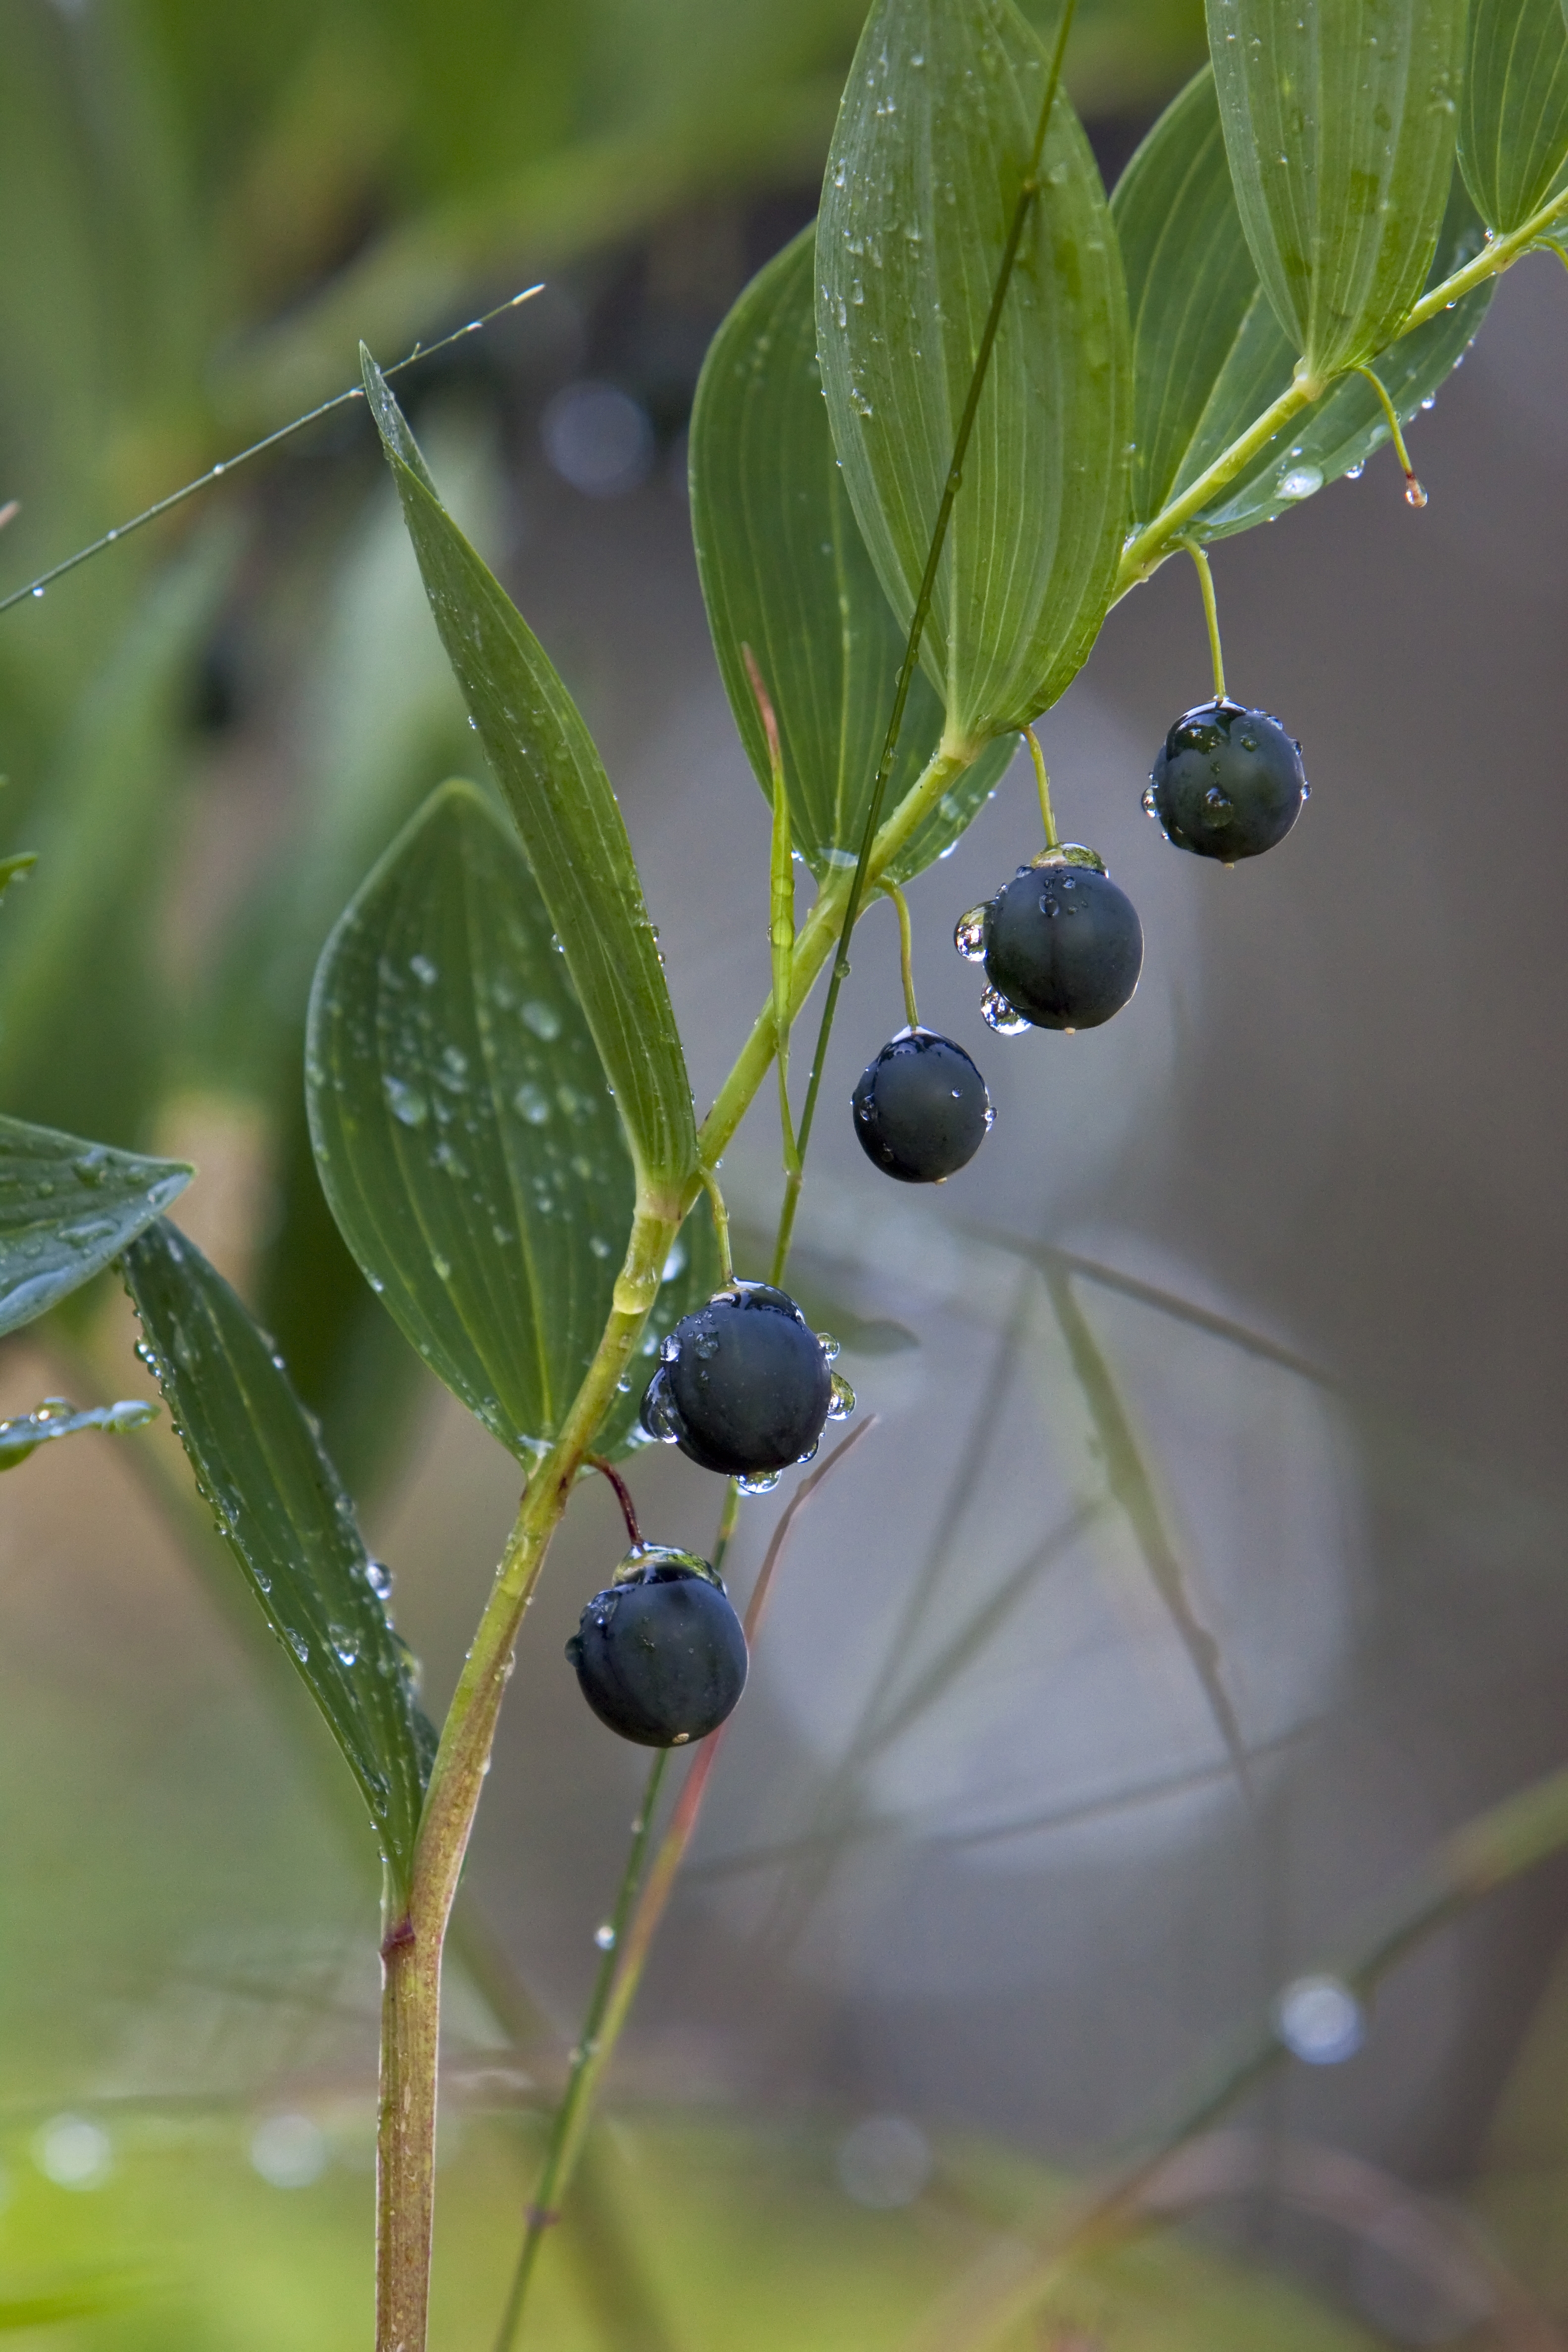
(534, 1104)
(39, 592)
(669, 1349)
(543, 1019)
(404, 1102)
(1430, 401)
(1320, 2019)
(1150, 805)
(423, 971)
(1414, 496)
(969, 933)
(762, 1484)
(378, 1576)
(1302, 481)
(604, 1937)
(1215, 801)
(829, 1345)
(842, 1403)
(999, 1014)
(297, 1643)
(1354, 473)
(599, 1245)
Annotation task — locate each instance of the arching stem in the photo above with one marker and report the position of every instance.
(906, 950)
(623, 1494)
(720, 1222)
(1211, 611)
(1414, 496)
(1043, 786)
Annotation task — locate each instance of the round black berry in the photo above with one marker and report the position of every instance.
(921, 1111)
(744, 1385)
(1062, 946)
(659, 1653)
(1228, 782)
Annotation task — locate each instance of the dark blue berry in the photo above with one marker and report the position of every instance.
(1062, 946)
(921, 1111)
(659, 1653)
(744, 1385)
(1228, 782)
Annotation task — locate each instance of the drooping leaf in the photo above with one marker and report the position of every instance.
(66, 1207)
(559, 797)
(785, 570)
(935, 139)
(1209, 355)
(58, 1418)
(282, 1511)
(467, 1140)
(1514, 116)
(1339, 124)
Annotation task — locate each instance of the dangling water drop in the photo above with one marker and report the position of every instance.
(843, 1401)
(969, 934)
(762, 1484)
(999, 1014)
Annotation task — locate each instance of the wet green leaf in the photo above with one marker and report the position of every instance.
(66, 1207)
(58, 1418)
(785, 570)
(1339, 123)
(934, 141)
(465, 1136)
(555, 783)
(1209, 355)
(1513, 116)
(282, 1511)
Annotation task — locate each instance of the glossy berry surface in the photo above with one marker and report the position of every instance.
(921, 1111)
(1063, 946)
(659, 1653)
(744, 1385)
(1228, 782)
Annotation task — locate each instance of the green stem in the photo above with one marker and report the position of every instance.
(1415, 495)
(709, 1183)
(1211, 613)
(412, 1950)
(729, 1517)
(1043, 787)
(570, 2119)
(906, 950)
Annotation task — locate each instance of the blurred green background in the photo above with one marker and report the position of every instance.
(974, 1889)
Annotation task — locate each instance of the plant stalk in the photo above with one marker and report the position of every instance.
(411, 1953)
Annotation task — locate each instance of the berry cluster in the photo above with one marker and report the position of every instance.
(744, 1387)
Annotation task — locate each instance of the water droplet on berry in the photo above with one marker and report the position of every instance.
(763, 1482)
(999, 1014)
(829, 1345)
(843, 1400)
(969, 934)
(1149, 807)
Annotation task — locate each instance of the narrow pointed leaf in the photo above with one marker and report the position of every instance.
(1339, 123)
(283, 1513)
(934, 142)
(559, 797)
(466, 1136)
(785, 570)
(67, 1209)
(1513, 118)
(1209, 355)
(56, 1418)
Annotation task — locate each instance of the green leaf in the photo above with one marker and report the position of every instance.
(467, 1140)
(785, 570)
(933, 144)
(1339, 123)
(545, 762)
(67, 1209)
(1208, 353)
(283, 1513)
(56, 1417)
(1514, 116)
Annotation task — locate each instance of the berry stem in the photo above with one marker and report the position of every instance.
(721, 1221)
(1415, 495)
(906, 950)
(623, 1494)
(571, 2116)
(1043, 786)
(1199, 555)
(727, 1519)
